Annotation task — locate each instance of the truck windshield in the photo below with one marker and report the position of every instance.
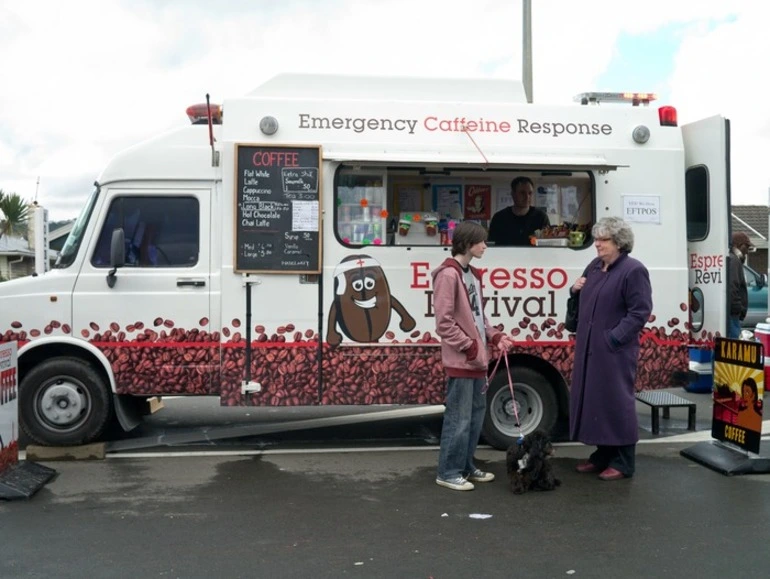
(70, 250)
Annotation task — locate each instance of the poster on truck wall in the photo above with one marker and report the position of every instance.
(478, 202)
(9, 407)
(448, 199)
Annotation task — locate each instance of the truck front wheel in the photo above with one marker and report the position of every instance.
(63, 402)
(533, 400)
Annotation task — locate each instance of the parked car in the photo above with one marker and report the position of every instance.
(757, 284)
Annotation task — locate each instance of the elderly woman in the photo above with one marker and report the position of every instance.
(615, 302)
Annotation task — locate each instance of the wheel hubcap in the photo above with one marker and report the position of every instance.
(525, 403)
(63, 403)
(512, 408)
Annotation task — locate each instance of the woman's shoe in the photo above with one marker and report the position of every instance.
(610, 473)
(586, 467)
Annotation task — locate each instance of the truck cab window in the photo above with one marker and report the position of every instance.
(159, 231)
(70, 249)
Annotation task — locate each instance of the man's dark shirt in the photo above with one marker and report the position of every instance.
(739, 294)
(509, 229)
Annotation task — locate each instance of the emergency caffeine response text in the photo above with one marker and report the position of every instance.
(457, 124)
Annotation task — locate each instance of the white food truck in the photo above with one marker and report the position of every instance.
(277, 251)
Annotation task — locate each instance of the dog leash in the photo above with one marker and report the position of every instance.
(513, 398)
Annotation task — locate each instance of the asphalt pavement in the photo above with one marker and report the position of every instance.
(374, 510)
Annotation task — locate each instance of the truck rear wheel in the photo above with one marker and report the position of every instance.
(63, 402)
(535, 402)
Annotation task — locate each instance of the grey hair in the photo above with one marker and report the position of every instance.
(616, 229)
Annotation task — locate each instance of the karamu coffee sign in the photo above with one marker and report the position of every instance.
(9, 407)
(738, 390)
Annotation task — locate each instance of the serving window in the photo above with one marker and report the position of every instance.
(421, 206)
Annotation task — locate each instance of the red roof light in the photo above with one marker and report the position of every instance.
(198, 114)
(667, 116)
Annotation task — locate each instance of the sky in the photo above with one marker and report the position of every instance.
(82, 80)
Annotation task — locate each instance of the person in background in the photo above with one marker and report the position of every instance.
(615, 304)
(513, 225)
(739, 293)
(464, 332)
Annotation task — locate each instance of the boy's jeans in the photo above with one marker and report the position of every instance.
(463, 419)
(734, 327)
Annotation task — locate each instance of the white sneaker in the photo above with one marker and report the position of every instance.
(456, 483)
(479, 475)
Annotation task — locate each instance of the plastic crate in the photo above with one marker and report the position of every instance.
(701, 355)
(703, 384)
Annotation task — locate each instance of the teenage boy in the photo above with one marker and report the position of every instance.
(464, 332)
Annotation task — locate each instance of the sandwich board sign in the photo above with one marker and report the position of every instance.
(9, 407)
(736, 424)
(17, 480)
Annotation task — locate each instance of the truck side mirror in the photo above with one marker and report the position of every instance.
(763, 281)
(117, 254)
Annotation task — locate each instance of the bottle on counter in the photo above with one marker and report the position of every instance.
(443, 231)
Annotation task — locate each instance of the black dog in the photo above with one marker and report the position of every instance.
(529, 465)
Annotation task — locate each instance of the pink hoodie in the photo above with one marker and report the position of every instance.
(461, 351)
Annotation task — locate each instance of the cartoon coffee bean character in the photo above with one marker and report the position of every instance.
(363, 302)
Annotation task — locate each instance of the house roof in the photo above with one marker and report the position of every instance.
(15, 246)
(62, 231)
(753, 220)
(19, 247)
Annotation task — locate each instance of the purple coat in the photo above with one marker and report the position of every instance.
(614, 307)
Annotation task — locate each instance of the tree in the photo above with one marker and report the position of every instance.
(15, 211)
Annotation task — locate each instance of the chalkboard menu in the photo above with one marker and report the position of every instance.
(277, 214)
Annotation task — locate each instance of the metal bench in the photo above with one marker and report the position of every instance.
(665, 400)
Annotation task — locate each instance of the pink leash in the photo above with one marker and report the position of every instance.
(513, 398)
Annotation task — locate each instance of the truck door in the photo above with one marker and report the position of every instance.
(707, 186)
(153, 323)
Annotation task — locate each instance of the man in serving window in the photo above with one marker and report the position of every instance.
(513, 225)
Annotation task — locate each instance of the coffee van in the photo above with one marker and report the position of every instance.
(277, 251)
